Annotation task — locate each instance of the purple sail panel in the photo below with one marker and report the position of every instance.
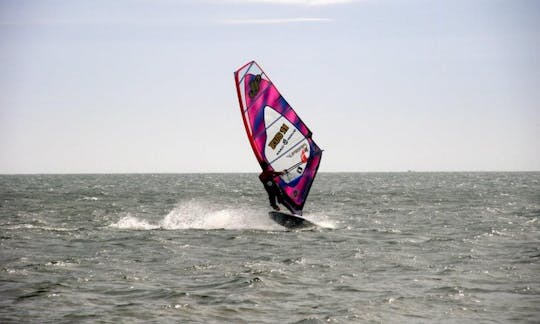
(296, 193)
(278, 137)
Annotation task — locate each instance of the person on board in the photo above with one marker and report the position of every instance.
(267, 179)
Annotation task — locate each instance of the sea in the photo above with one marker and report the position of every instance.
(200, 248)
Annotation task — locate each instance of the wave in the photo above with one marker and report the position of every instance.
(39, 227)
(321, 220)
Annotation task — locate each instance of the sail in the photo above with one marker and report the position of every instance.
(278, 137)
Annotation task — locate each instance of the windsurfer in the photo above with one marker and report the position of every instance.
(267, 179)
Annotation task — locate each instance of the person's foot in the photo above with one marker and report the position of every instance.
(276, 207)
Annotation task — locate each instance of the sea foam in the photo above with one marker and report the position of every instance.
(195, 214)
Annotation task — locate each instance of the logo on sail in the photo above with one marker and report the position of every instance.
(254, 86)
(303, 149)
(278, 137)
(303, 156)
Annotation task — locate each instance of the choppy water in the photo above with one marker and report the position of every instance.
(200, 248)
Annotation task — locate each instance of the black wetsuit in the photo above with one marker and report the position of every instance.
(267, 178)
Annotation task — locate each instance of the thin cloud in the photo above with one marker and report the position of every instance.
(298, 2)
(273, 21)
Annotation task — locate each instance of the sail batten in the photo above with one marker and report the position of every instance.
(263, 132)
(278, 137)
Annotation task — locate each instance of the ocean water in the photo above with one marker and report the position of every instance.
(200, 248)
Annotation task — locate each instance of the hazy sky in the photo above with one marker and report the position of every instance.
(147, 85)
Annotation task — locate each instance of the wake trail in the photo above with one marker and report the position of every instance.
(199, 215)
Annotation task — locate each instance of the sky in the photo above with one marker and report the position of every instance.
(146, 86)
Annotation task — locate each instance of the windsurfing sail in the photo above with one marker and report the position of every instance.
(278, 137)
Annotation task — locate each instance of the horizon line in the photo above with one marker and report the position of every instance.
(255, 172)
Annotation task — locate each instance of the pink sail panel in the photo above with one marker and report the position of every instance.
(279, 138)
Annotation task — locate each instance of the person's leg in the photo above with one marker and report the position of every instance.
(277, 194)
(271, 197)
